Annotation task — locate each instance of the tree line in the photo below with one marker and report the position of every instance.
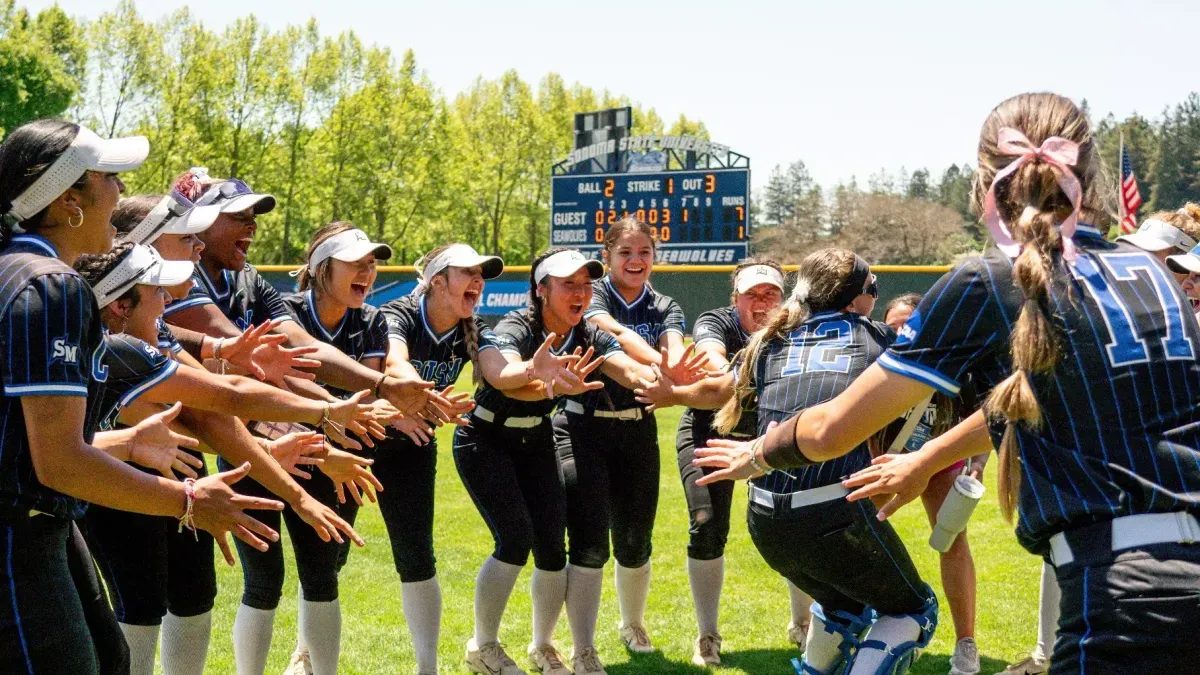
(920, 218)
(341, 130)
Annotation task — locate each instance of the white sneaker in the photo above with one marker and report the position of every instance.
(966, 658)
(587, 662)
(1030, 666)
(798, 634)
(300, 664)
(490, 659)
(547, 660)
(636, 639)
(708, 651)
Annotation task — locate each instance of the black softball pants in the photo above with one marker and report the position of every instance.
(1135, 611)
(316, 561)
(513, 477)
(843, 557)
(611, 471)
(708, 505)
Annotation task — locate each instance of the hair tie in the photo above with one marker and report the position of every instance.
(1060, 154)
(801, 289)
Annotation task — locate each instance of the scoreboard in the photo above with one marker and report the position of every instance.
(700, 216)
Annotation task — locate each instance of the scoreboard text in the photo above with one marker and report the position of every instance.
(700, 216)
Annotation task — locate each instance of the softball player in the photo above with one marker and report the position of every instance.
(856, 569)
(149, 570)
(1079, 337)
(606, 431)
(58, 187)
(432, 334)
(506, 456)
(957, 564)
(721, 334)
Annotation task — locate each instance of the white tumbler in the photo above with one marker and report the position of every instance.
(956, 510)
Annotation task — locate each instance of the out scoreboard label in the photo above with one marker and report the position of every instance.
(699, 217)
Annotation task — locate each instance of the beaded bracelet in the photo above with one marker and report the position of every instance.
(759, 467)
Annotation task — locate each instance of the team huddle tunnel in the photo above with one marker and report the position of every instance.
(696, 288)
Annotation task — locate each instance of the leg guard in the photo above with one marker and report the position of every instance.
(830, 631)
(893, 636)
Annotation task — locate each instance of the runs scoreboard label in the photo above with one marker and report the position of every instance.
(699, 217)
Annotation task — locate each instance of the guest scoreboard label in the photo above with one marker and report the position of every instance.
(699, 217)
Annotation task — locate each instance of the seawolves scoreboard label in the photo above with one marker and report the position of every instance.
(694, 195)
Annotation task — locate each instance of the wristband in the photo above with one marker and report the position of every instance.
(779, 445)
(378, 384)
(188, 519)
(217, 348)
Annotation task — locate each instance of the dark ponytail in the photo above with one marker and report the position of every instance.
(24, 156)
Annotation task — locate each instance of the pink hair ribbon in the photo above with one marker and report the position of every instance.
(1059, 153)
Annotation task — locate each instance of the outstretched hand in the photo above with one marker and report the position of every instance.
(156, 446)
(691, 367)
(904, 477)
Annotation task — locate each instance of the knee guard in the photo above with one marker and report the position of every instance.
(892, 635)
(832, 631)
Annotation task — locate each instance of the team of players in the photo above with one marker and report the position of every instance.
(560, 465)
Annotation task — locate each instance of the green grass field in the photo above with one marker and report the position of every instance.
(754, 609)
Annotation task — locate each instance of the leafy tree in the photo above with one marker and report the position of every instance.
(41, 63)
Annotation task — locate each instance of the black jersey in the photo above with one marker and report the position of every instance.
(133, 368)
(166, 339)
(817, 361)
(244, 297)
(514, 335)
(722, 326)
(436, 358)
(362, 334)
(651, 315)
(53, 347)
(1120, 410)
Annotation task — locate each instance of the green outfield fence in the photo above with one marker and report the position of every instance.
(697, 288)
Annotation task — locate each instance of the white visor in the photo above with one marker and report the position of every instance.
(173, 214)
(348, 246)
(88, 152)
(1156, 235)
(565, 263)
(1188, 262)
(456, 255)
(758, 274)
(143, 266)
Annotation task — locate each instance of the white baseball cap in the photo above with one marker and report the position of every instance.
(1187, 262)
(565, 263)
(173, 214)
(348, 246)
(142, 265)
(1156, 235)
(751, 276)
(88, 152)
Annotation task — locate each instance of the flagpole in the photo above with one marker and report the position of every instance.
(1121, 187)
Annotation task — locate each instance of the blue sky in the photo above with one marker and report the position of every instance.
(849, 87)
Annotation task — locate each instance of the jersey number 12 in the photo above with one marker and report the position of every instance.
(816, 349)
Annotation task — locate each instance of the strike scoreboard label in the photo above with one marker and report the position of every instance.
(700, 216)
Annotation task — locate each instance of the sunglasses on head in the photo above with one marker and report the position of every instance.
(225, 191)
(872, 288)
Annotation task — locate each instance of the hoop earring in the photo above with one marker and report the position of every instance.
(80, 223)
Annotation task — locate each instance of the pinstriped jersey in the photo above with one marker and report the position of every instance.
(244, 297)
(817, 361)
(53, 346)
(166, 339)
(133, 368)
(651, 315)
(722, 326)
(362, 333)
(516, 336)
(1120, 410)
(437, 358)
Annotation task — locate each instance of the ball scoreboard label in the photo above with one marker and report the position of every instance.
(698, 217)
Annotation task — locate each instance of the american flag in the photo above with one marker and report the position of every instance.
(1130, 199)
